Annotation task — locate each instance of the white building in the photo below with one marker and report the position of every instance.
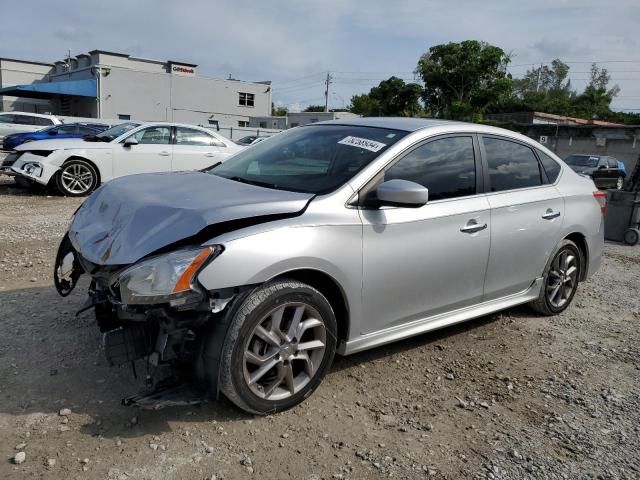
(111, 85)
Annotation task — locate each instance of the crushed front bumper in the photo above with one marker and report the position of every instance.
(33, 168)
(178, 347)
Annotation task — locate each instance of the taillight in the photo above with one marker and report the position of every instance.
(601, 198)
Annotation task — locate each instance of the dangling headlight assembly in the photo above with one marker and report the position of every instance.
(166, 278)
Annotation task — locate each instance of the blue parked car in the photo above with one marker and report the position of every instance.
(65, 130)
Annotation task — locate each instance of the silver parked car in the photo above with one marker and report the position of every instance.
(335, 237)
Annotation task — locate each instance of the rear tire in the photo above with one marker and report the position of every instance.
(76, 178)
(560, 280)
(280, 345)
(632, 236)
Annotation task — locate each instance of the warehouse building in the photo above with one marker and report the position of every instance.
(111, 85)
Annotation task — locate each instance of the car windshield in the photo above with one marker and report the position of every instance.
(311, 159)
(115, 132)
(582, 160)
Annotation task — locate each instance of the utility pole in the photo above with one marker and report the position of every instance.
(538, 80)
(326, 92)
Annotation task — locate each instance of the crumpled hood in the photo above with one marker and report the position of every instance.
(130, 217)
(62, 144)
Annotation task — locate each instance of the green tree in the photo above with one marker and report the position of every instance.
(595, 101)
(391, 98)
(314, 108)
(544, 89)
(279, 111)
(462, 79)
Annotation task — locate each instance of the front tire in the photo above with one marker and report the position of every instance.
(280, 345)
(560, 280)
(76, 178)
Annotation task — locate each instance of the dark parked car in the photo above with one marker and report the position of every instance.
(66, 130)
(606, 171)
(248, 140)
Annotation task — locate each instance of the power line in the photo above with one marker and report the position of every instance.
(300, 78)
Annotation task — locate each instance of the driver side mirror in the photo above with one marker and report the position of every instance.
(602, 167)
(402, 193)
(129, 142)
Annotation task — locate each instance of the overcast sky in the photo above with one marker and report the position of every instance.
(294, 43)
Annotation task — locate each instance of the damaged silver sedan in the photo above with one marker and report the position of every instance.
(248, 278)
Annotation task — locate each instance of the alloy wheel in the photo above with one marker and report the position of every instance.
(284, 351)
(77, 178)
(562, 278)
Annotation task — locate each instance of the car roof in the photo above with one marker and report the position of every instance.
(411, 125)
(169, 124)
(84, 124)
(407, 124)
(30, 114)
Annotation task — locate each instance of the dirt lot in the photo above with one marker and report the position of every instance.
(508, 396)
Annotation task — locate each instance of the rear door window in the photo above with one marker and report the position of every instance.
(193, 137)
(24, 120)
(512, 165)
(551, 167)
(67, 130)
(445, 166)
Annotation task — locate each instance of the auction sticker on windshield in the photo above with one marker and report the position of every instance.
(370, 145)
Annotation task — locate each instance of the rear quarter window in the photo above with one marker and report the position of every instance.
(41, 121)
(551, 167)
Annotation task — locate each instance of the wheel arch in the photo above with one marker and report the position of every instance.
(331, 289)
(580, 240)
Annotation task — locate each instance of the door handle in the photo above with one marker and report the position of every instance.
(550, 215)
(209, 154)
(473, 227)
(164, 153)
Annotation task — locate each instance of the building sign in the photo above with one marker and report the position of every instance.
(544, 139)
(183, 70)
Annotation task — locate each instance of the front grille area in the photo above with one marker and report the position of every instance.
(10, 160)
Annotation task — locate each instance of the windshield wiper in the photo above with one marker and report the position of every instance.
(253, 182)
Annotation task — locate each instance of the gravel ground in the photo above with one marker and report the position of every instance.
(507, 396)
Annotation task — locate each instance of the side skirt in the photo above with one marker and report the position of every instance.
(435, 322)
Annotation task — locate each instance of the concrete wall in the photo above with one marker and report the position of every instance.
(16, 72)
(620, 142)
(268, 122)
(154, 96)
(142, 89)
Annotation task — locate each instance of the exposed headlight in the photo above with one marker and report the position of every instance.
(166, 278)
(32, 168)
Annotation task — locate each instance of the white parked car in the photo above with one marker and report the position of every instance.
(23, 122)
(76, 167)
